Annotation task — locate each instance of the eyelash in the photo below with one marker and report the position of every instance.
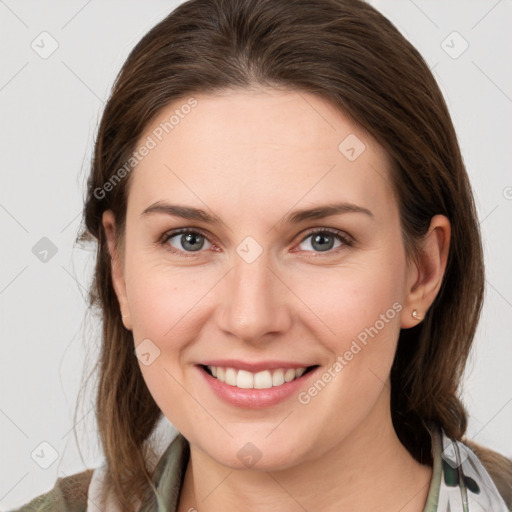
(346, 240)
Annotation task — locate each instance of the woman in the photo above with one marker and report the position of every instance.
(289, 269)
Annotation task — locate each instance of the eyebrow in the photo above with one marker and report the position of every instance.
(295, 217)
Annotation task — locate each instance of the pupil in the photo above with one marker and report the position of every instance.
(321, 239)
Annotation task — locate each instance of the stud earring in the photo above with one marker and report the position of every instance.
(416, 315)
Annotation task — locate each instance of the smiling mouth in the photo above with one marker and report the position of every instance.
(261, 380)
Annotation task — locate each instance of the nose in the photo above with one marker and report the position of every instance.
(256, 302)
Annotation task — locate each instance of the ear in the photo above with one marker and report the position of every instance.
(425, 276)
(118, 281)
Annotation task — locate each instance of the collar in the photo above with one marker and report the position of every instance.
(459, 482)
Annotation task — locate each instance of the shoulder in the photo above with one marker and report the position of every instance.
(69, 494)
(497, 466)
(75, 492)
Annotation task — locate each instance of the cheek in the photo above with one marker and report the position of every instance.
(356, 310)
(354, 294)
(163, 301)
(165, 309)
(360, 324)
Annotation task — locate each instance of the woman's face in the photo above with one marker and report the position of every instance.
(264, 285)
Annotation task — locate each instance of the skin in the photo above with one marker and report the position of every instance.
(250, 157)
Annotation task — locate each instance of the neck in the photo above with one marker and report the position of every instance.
(368, 470)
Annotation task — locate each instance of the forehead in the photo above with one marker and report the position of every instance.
(265, 146)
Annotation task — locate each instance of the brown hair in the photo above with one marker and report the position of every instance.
(347, 53)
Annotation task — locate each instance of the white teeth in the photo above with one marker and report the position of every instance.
(230, 376)
(289, 375)
(299, 372)
(261, 380)
(278, 378)
(243, 380)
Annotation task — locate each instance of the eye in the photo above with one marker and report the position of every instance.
(324, 240)
(184, 240)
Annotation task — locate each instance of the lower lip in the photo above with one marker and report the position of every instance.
(255, 398)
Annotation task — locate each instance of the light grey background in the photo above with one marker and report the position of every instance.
(50, 109)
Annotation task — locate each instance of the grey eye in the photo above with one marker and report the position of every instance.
(322, 241)
(188, 241)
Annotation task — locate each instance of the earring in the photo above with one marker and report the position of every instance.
(416, 315)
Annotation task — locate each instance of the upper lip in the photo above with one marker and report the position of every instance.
(254, 367)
